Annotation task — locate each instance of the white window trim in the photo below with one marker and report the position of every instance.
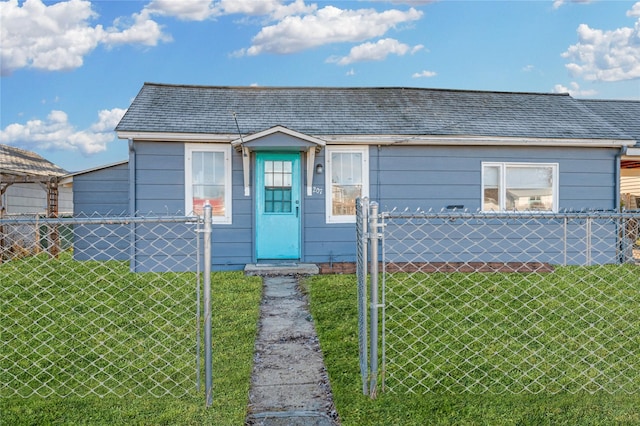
(330, 218)
(190, 148)
(503, 183)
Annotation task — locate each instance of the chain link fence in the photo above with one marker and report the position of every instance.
(98, 306)
(504, 303)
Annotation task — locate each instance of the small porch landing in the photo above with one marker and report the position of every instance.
(273, 269)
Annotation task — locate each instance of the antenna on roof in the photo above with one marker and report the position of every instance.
(235, 118)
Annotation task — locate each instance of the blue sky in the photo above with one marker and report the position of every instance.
(69, 69)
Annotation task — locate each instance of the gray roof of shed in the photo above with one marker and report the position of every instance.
(98, 168)
(20, 162)
(624, 115)
(362, 111)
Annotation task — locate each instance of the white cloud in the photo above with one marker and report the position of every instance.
(601, 55)
(297, 7)
(185, 10)
(413, 2)
(141, 29)
(275, 9)
(424, 74)
(417, 48)
(55, 132)
(327, 25)
(374, 51)
(528, 68)
(558, 3)
(295, 26)
(200, 10)
(58, 36)
(574, 91)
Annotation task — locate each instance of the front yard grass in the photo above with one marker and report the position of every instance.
(235, 302)
(66, 300)
(334, 308)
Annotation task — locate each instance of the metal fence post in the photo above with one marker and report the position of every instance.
(373, 337)
(362, 215)
(199, 230)
(207, 305)
(588, 239)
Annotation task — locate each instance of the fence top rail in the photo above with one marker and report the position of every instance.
(107, 220)
(446, 214)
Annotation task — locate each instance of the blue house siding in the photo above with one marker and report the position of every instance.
(103, 191)
(163, 247)
(160, 180)
(434, 177)
(98, 193)
(412, 177)
(159, 190)
(520, 239)
(323, 242)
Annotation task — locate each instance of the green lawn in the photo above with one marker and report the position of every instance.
(333, 306)
(121, 365)
(235, 314)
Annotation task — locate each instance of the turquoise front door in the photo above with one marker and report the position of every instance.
(278, 205)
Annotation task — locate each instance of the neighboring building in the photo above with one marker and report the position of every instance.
(625, 115)
(29, 184)
(101, 191)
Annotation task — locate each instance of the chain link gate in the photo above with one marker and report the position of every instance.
(500, 303)
(99, 306)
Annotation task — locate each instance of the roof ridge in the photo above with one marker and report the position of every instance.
(609, 100)
(355, 88)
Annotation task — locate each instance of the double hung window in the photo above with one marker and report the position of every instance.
(520, 187)
(208, 179)
(347, 178)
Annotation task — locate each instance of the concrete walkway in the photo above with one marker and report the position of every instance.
(289, 384)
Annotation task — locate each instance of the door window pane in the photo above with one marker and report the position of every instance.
(277, 186)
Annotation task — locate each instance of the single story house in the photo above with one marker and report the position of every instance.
(282, 166)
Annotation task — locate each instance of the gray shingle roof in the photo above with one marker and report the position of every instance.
(322, 111)
(16, 161)
(625, 115)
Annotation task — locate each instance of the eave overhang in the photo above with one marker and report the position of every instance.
(314, 143)
(384, 139)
